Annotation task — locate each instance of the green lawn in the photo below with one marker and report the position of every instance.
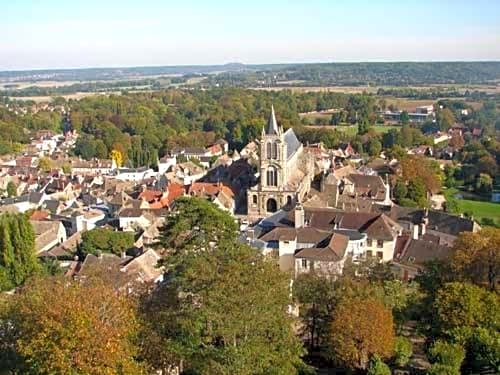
(479, 209)
(353, 129)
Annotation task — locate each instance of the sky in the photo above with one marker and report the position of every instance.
(36, 34)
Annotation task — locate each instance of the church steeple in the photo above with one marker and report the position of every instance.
(272, 124)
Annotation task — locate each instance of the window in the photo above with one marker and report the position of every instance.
(369, 242)
(380, 243)
(254, 199)
(304, 263)
(369, 254)
(380, 254)
(268, 150)
(275, 150)
(272, 177)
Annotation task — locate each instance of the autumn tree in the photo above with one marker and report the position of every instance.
(422, 168)
(44, 164)
(477, 256)
(57, 326)
(361, 328)
(224, 307)
(117, 157)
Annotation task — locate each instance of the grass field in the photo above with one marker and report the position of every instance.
(479, 209)
(353, 129)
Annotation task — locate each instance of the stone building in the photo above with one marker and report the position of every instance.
(286, 171)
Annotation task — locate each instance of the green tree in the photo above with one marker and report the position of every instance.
(316, 298)
(404, 118)
(224, 307)
(403, 351)
(378, 367)
(18, 259)
(447, 358)
(374, 147)
(106, 241)
(484, 184)
(11, 189)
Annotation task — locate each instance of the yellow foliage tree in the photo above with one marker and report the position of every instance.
(117, 157)
(361, 328)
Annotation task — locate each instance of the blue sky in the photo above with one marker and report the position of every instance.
(57, 34)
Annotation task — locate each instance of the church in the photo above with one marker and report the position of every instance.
(285, 170)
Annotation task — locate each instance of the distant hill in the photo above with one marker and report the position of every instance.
(320, 74)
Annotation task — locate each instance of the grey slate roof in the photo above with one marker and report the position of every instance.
(272, 124)
(292, 143)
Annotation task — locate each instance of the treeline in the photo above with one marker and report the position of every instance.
(144, 125)
(360, 74)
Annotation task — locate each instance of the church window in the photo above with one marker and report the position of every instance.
(272, 177)
(275, 150)
(268, 150)
(254, 199)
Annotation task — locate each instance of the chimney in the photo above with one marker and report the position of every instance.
(425, 221)
(299, 216)
(415, 232)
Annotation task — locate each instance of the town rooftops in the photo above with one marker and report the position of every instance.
(333, 251)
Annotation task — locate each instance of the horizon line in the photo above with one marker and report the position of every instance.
(248, 64)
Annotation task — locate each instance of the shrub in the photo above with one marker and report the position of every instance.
(378, 367)
(447, 358)
(402, 351)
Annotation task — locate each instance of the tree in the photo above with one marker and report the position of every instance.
(374, 147)
(11, 189)
(57, 326)
(419, 167)
(18, 259)
(400, 190)
(44, 164)
(484, 184)
(477, 256)
(224, 307)
(445, 118)
(462, 309)
(361, 328)
(316, 297)
(378, 367)
(402, 351)
(447, 358)
(106, 241)
(417, 192)
(404, 118)
(117, 157)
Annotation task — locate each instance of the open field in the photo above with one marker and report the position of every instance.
(353, 129)
(478, 209)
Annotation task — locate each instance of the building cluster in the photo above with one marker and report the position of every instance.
(310, 207)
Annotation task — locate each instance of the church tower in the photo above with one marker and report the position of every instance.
(273, 171)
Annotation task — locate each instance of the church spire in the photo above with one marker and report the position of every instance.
(272, 124)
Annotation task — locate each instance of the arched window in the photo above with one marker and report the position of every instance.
(275, 150)
(268, 150)
(272, 177)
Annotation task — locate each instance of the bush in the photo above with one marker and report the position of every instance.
(402, 351)
(447, 358)
(378, 367)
